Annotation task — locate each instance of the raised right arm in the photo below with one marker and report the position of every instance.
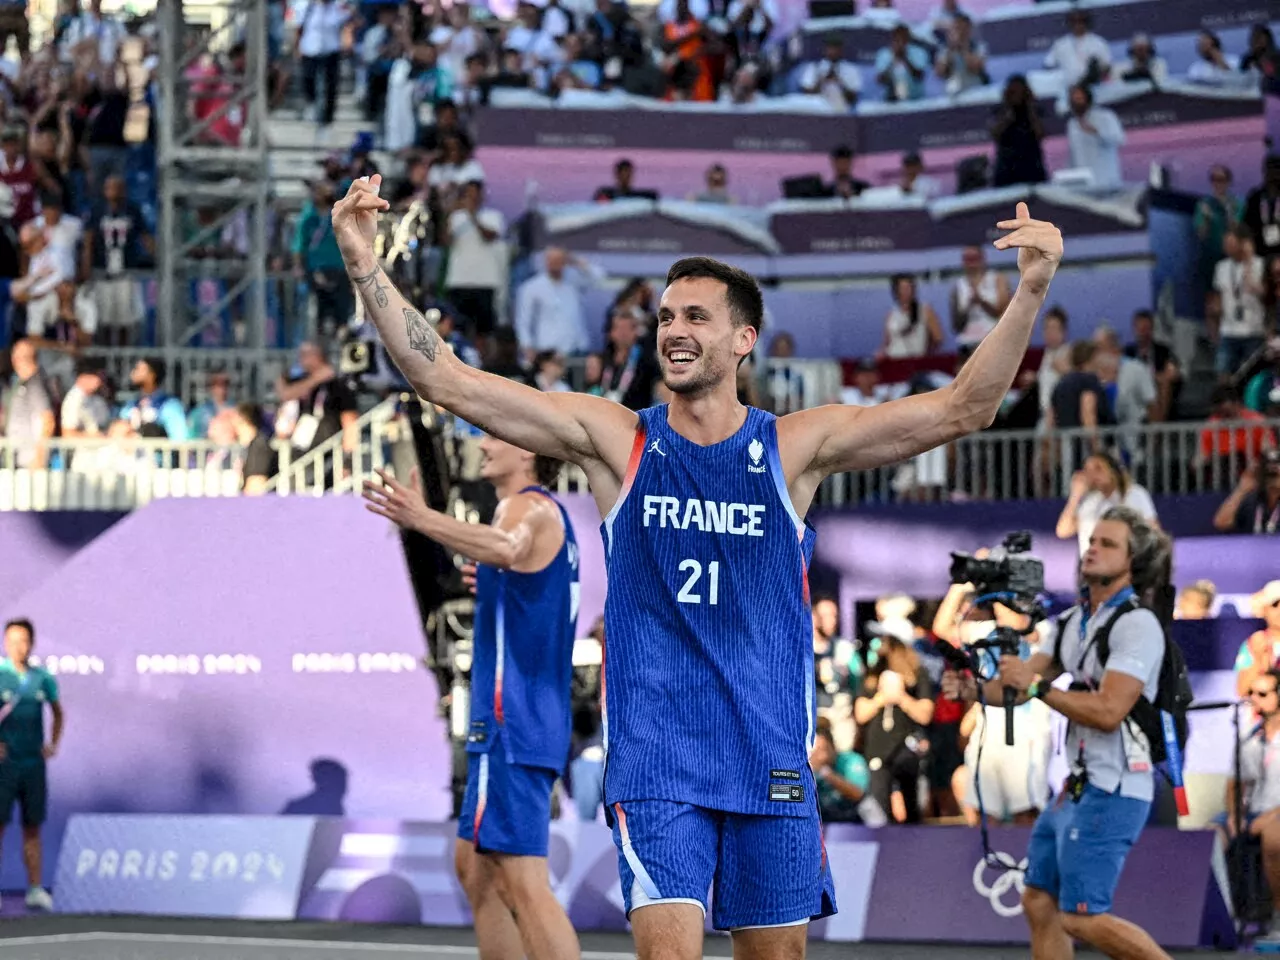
(589, 431)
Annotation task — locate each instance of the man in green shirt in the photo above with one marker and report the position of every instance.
(24, 691)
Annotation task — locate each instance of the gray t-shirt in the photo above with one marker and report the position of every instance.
(1137, 649)
(25, 405)
(1260, 766)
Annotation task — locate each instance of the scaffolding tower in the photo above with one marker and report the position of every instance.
(206, 186)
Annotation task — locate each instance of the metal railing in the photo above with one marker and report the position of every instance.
(113, 474)
(342, 463)
(252, 373)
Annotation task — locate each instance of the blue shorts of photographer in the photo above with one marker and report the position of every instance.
(1077, 850)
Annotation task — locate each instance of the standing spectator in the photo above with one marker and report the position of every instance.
(1263, 58)
(1214, 68)
(1095, 137)
(457, 40)
(1239, 279)
(1216, 216)
(549, 305)
(962, 64)
(477, 259)
(833, 77)
(895, 707)
(575, 72)
(1254, 505)
(318, 261)
(630, 369)
(13, 23)
(1131, 389)
(84, 411)
(216, 406)
(92, 37)
(62, 233)
(1143, 65)
(454, 169)
(27, 406)
(1262, 393)
(835, 669)
(979, 298)
(1103, 483)
(1231, 449)
(1082, 56)
(1260, 653)
(260, 461)
(842, 779)
(1018, 131)
(750, 23)
(326, 407)
(911, 329)
(866, 390)
(379, 50)
(116, 242)
(1056, 359)
(25, 689)
(18, 173)
(548, 372)
(901, 66)
(104, 131)
(1079, 402)
(320, 28)
(1159, 361)
(685, 62)
(1262, 210)
(1196, 601)
(38, 288)
(153, 405)
(717, 187)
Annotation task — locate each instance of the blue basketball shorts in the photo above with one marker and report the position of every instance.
(1077, 850)
(760, 871)
(507, 807)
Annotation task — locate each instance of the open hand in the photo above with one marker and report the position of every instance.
(355, 217)
(402, 505)
(1039, 246)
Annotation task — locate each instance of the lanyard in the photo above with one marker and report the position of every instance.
(628, 374)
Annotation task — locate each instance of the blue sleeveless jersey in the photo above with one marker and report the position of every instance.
(522, 660)
(708, 633)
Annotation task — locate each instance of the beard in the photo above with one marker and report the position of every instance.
(704, 381)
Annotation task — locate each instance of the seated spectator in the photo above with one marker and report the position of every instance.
(843, 183)
(503, 356)
(27, 408)
(217, 405)
(1232, 447)
(1095, 137)
(892, 712)
(750, 24)
(260, 461)
(1196, 601)
(548, 372)
(912, 181)
(475, 81)
(1239, 279)
(745, 85)
(630, 369)
(979, 298)
(685, 59)
(717, 187)
(939, 22)
(84, 410)
(477, 266)
(962, 63)
(1103, 483)
(447, 328)
(911, 329)
(1143, 65)
(1254, 505)
(843, 781)
(454, 168)
(1082, 56)
(1018, 130)
(867, 390)
(623, 185)
(901, 66)
(153, 406)
(833, 77)
(1214, 67)
(575, 71)
(1263, 58)
(1260, 653)
(1260, 775)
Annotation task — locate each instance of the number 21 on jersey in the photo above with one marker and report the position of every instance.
(691, 592)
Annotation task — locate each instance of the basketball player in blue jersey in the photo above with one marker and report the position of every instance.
(526, 618)
(708, 662)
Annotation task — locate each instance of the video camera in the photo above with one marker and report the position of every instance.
(1013, 578)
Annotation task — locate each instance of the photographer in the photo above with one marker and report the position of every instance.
(1079, 844)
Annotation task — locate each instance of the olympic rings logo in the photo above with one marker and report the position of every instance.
(997, 894)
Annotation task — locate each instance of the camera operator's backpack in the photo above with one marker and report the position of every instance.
(1173, 694)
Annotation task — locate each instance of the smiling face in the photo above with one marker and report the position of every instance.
(699, 345)
(502, 461)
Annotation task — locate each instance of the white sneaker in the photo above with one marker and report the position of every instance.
(38, 899)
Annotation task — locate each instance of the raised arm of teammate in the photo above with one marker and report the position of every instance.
(526, 534)
(834, 439)
(595, 433)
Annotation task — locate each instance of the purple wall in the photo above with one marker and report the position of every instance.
(37, 544)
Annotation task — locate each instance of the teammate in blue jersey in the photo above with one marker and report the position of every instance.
(708, 661)
(526, 585)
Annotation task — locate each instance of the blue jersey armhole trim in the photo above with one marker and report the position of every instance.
(780, 479)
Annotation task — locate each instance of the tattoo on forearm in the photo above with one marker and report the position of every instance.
(371, 280)
(422, 336)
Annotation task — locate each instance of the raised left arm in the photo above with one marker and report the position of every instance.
(821, 441)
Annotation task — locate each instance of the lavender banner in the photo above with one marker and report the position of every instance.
(945, 124)
(1035, 30)
(905, 883)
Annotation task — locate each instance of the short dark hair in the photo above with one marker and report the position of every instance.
(1057, 311)
(1144, 314)
(546, 470)
(746, 304)
(93, 365)
(250, 413)
(157, 367)
(24, 624)
(1224, 393)
(1084, 89)
(842, 152)
(623, 164)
